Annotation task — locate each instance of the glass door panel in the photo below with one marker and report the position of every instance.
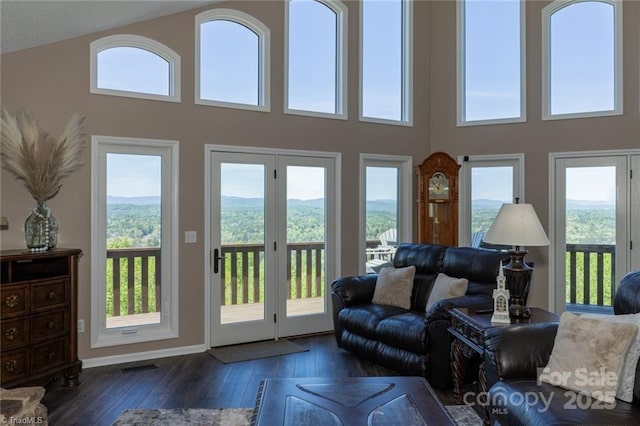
(242, 238)
(306, 226)
(242, 215)
(306, 218)
(591, 234)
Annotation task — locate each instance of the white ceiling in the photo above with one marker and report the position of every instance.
(29, 23)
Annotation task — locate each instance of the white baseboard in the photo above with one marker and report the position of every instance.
(142, 356)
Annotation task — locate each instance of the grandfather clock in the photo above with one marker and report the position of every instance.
(438, 200)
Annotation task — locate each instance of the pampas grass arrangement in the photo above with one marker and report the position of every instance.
(36, 158)
(41, 162)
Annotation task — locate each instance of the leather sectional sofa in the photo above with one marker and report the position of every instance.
(413, 341)
(513, 357)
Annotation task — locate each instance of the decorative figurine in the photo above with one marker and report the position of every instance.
(501, 300)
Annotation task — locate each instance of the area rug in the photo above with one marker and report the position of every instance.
(462, 414)
(249, 351)
(186, 416)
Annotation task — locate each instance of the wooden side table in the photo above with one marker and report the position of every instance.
(468, 327)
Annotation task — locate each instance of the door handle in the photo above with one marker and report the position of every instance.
(216, 259)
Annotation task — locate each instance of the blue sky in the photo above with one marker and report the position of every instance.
(579, 57)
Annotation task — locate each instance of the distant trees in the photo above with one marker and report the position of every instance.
(130, 225)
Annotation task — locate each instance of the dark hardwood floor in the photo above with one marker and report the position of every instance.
(196, 381)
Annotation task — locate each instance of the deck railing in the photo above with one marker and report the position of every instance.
(242, 275)
(136, 271)
(591, 274)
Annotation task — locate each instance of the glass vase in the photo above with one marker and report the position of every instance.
(41, 229)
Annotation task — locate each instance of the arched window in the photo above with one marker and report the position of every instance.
(491, 62)
(582, 59)
(232, 60)
(386, 40)
(134, 66)
(315, 52)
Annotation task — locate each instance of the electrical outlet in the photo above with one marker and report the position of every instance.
(80, 326)
(190, 237)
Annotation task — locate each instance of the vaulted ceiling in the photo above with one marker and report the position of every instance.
(27, 23)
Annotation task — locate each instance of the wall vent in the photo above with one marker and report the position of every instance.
(139, 368)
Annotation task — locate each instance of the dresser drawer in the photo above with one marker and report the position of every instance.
(14, 333)
(50, 294)
(48, 355)
(14, 301)
(49, 325)
(14, 365)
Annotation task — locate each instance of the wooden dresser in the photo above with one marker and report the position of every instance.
(38, 325)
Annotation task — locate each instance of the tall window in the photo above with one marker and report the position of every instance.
(582, 58)
(385, 211)
(134, 240)
(486, 182)
(134, 66)
(316, 53)
(491, 62)
(232, 60)
(385, 67)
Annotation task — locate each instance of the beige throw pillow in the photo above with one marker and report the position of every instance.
(628, 374)
(588, 355)
(394, 286)
(446, 287)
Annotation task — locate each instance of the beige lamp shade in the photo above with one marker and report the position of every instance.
(517, 225)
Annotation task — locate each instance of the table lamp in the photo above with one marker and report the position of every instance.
(517, 225)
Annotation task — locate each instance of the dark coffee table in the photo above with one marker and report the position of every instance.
(349, 401)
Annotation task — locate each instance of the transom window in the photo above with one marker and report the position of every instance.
(582, 58)
(134, 66)
(385, 67)
(491, 62)
(232, 60)
(316, 58)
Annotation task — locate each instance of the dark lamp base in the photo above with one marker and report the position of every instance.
(519, 311)
(518, 277)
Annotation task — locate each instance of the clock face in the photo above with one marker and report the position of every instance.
(438, 186)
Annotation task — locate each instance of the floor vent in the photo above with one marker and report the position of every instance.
(139, 368)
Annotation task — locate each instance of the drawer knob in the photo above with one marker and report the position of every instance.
(12, 301)
(11, 366)
(52, 295)
(51, 325)
(11, 333)
(52, 355)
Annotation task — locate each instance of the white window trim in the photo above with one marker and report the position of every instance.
(405, 198)
(130, 40)
(407, 69)
(461, 71)
(168, 326)
(342, 17)
(264, 57)
(547, 12)
(497, 160)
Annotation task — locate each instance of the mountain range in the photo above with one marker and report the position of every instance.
(373, 205)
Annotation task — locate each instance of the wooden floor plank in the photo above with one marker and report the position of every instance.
(195, 381)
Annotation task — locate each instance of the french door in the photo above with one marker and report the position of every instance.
(594, 202)
(272, 245)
